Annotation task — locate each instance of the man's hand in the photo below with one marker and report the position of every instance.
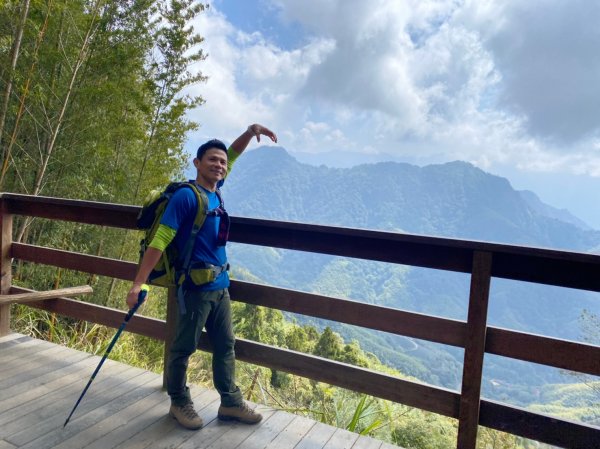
(132, 296)
(258, 130)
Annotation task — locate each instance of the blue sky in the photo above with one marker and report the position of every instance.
(507, 85)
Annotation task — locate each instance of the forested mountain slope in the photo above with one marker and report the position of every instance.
(452, 200)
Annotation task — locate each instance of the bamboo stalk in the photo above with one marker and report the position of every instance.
(49, 294)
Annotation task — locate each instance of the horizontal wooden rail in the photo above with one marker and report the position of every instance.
(495, 415)
(88, 212)
(106, 316)
(564, 354)
(544, 266)
(537, 426)
(411, 393)
(85, 263)
(517, 345)
(48, 294)
(395, 321)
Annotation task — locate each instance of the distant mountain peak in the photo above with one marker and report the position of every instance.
(453, 199)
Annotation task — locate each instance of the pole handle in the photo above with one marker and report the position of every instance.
(141, 298)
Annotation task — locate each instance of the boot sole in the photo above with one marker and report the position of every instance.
(235, 418)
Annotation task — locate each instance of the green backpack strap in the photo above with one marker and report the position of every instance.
(184, 265)
(201, 212)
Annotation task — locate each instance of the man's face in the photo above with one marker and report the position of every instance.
(213, 165)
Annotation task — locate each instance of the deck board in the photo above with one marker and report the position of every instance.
(126, 408)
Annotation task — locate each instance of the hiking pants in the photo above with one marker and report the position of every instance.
(213, 310)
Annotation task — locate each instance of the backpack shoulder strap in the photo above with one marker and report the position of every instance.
(202, 201)
(201, 212)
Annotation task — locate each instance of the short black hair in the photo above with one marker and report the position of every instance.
(213, 143)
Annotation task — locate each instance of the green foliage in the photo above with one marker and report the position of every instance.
(101, 109)
(329, 345)
(428, 433)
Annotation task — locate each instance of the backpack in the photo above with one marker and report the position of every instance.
(174, 269)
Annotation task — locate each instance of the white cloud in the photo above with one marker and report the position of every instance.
(488, 81)
(250, 79)
(547, 52)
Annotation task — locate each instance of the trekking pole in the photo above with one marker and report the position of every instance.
(141, 299)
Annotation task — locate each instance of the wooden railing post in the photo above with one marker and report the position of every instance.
(474, 350)
(6, 221)
(170, 331)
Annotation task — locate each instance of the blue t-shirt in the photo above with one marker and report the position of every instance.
(180, 214)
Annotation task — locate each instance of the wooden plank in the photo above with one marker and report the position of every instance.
(6, 224)
(381, 246)
(53, 381)
(410, 324)
(178, 436)
(317, 437)
(49, 294)
(158, 430)
(34, 419)
(293, 433)
(105, 406)
(341, 439)
(537, 426)
(6, 445)
(564, 354)
(61, 400)
(552, 267)
(474, 351)
(414, 394)
(364, 442)
(90, 212)
(35, 358)
(21, 350)
(10, 337)
(133, 419)
(211, 432)
(439, 330)
(263, 434)
(102, 266)
(35, 368)
(149, 327)
(236, 433)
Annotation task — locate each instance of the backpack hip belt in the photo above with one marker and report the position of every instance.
(195, 276)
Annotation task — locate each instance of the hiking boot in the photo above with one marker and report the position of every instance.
(241, 413)
(186, 416)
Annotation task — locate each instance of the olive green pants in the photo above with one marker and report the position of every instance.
(211, 309)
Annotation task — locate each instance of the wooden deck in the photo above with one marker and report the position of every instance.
(126, 407)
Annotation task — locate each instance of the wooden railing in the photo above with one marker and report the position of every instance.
(482, 260)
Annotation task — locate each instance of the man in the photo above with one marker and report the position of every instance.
(208, 304)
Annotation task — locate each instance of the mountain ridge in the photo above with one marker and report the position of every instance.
(435, 195)
(454, 200)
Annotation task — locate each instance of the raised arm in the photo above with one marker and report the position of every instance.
(240, 144)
